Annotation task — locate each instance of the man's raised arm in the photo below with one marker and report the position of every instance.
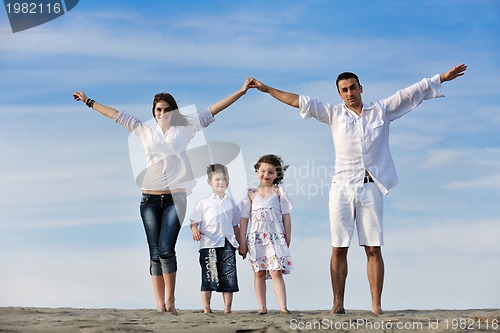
(282, 96)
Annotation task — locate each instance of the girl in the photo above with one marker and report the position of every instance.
(265, 230)
(166, 181)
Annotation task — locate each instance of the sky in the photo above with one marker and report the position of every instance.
(70, 229)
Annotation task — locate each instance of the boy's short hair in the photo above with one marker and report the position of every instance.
(213, 168)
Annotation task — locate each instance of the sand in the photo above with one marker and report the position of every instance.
(54, 320)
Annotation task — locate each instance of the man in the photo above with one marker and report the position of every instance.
(364, 169)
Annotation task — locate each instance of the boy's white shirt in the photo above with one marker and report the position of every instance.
(216, 218)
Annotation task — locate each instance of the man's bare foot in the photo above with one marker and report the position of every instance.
(207, 310)
(377, 311)
(160, 309)
(339, 310)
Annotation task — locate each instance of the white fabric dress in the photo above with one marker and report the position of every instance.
(267, 248)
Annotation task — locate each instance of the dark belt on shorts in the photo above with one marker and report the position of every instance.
(368, 179)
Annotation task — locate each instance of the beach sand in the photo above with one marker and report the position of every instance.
(55, 320)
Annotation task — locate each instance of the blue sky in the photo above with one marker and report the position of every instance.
(70, 231)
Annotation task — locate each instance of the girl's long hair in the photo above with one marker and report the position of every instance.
(277, 162)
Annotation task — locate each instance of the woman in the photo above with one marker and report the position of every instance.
(166, 181)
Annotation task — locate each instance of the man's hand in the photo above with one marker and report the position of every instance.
(453, 73)
(254, 83)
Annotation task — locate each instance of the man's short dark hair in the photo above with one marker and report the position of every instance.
(213, 168)
(345, 76)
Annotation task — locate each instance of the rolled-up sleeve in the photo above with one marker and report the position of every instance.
(131, 123)
(311, 108)
(409, 98)
(201, 119)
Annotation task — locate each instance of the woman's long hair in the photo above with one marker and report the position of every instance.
(178, 119)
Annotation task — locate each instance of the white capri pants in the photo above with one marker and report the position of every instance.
(361, 207)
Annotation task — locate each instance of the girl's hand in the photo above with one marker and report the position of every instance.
(80, 96)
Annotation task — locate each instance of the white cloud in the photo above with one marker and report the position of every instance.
(487, 183)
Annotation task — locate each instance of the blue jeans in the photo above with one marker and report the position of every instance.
(162, 216)
(218, 269)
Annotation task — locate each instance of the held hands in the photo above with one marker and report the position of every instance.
(246, 85)
(254, 83)
(243, 250)
(453, 73)
(251, 82)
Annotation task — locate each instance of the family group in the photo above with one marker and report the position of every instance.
(260, 226)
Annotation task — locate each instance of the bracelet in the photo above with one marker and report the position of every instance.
(90, 103)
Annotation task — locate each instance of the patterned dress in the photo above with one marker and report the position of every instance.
(267, 248)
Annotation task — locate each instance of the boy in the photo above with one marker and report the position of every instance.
(214, 223)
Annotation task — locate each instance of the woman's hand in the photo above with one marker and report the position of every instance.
(80, 96)
(246, 85)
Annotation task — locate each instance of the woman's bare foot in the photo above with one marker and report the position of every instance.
(171, 308)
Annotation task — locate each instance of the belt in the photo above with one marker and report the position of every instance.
(368, 179)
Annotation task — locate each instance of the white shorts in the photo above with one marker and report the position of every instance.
(362, 207)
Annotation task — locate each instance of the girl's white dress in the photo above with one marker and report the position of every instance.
(267, 248)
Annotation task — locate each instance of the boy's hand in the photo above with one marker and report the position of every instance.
(196, 232)
(243, 251)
